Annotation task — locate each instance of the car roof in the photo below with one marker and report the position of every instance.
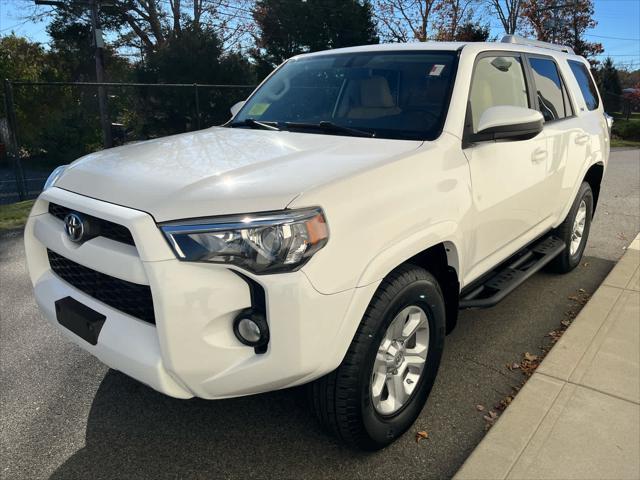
(471, 47)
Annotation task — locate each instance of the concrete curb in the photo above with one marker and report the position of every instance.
(578, 416)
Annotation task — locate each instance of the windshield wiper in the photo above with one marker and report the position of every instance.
(329, 127)
(250, 122)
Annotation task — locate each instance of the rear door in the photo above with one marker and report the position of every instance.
(566, 138)
(507, 176)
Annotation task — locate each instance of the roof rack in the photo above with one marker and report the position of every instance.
(536, 43)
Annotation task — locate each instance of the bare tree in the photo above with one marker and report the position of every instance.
(404, 20)
(449, 16)
(508, 11)
(147, 25)
(565, 23)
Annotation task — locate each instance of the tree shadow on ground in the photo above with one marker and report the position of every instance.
(135, 432)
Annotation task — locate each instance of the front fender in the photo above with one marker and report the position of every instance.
(383, 263)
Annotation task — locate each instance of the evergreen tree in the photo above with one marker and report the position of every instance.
(290, 27)
(609, 85)
(471, 32)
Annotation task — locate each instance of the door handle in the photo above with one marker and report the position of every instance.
(539, 154)
(582, 139)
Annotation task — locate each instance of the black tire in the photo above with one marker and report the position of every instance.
(342, 400)
(566, 261)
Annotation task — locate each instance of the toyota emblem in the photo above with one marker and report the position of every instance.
(74, 227)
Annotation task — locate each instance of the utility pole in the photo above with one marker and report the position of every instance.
(98, 41)
(102, 93)
(556, 22)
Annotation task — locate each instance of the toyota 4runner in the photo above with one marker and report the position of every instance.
(329, 233)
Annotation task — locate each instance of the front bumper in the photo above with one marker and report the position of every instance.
(191, 350)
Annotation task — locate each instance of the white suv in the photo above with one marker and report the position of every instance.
(330, 232)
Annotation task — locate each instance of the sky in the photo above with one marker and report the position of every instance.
(618, 27)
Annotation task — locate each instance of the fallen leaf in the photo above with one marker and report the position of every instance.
(421, 435)
(530, 357)
(480, 408)
(504, 403)
(491, 416)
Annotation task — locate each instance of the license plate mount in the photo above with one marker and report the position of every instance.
(80, 319)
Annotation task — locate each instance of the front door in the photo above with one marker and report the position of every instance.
(507, 177)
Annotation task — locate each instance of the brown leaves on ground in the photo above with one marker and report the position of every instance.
(578, 300)
(505, 402)
(530, 362)
(421, 435)
(527, 365)
(490, 419)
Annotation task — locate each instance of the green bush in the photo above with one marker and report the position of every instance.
(627, 129)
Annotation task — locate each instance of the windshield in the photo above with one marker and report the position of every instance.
(403, 95)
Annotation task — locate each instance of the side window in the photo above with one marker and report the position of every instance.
(497, 80)
(585, 82)
(553, 100)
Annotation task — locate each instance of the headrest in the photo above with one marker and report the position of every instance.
(375, 93)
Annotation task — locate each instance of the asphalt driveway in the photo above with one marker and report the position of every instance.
(65, 415)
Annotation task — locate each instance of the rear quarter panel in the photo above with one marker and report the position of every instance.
(591, 122)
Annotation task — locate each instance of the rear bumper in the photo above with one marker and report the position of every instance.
(191, 350)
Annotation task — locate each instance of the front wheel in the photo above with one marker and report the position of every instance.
(574, 231)
(383, 382)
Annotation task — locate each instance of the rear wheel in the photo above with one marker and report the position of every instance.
(574, 231)
(383, 382)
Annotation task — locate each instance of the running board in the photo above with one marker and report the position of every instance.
(506, 278)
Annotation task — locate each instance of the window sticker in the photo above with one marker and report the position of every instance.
(258, 109)
(436, 70)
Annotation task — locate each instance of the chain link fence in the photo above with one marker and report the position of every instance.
(46, 124)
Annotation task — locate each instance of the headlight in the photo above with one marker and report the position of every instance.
(261, 243)
(54, 176)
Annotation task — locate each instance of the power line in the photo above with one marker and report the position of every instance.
(617, 55)
(612, 38)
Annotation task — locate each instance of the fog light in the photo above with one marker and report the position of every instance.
(249, 330)
(250, 327)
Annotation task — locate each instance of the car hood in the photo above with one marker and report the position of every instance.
(223, 170)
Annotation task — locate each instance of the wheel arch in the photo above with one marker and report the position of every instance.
(441, 259)
(426, 249)
(593, 177)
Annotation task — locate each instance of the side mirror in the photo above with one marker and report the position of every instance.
(236, 107)
(508, 123)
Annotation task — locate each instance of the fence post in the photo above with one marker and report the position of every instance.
(12, 149)
(197, 98)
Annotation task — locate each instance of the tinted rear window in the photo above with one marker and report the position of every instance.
(587, 87)
(553, 100)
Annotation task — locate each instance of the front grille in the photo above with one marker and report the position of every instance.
(130, 298)
(104, 228)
